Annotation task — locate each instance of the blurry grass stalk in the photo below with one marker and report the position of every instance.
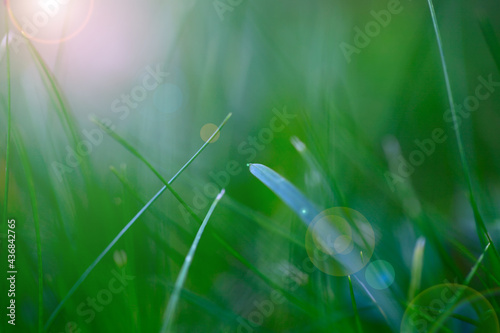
(36, 219)
(181, 279)
(416, 268)
(372, 298)
(480, 225)
(226, 245)
(413, 208)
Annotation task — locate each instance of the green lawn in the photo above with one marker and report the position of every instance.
(250, 166)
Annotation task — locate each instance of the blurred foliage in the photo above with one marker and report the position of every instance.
(262, 58)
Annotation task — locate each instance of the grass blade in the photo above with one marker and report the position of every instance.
(125, 229)
(448, 311)
(490, 37)
(355, 307)
(474, 268)
(367, 291)
(226, 245)
(416, 268)
(126, 184)
(480, 225)
(290, 195)
(286, 191)
(181, 279)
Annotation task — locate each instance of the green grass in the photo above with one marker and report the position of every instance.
(134, 206)
(481, 227)
(181, 279)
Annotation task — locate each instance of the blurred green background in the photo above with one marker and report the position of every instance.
(356, 115)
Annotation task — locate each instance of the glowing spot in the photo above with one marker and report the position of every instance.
(207, 131)
(380, 274)
(41, 22)
(340, 241)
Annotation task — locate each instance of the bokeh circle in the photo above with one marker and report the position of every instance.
(340, 241)
(380, 274)
(457, 307)
(77, 31)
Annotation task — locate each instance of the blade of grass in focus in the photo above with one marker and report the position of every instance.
(134, 152)
(181, 279)
(156, 214)
(468, 254)
(226, 245)
(474, 268)
(355, 307)
(286, 191)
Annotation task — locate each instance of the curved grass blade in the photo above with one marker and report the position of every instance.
(134, 152)
(468, 254)
(490, 37)
(286, 191)
(482, 231)
(294, 199)
(181, 279)
(125, 229)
